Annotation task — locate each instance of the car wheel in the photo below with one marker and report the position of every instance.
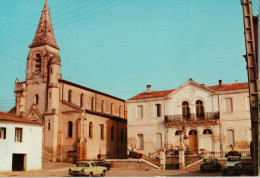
(103, 173)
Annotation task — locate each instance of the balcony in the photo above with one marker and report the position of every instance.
(191, 118)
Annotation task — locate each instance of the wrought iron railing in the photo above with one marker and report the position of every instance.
(192, 117)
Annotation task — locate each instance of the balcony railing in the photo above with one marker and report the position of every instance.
(192, 117)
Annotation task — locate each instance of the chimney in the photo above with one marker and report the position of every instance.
(220, 83)
(148, 86)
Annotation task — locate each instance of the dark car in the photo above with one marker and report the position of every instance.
(102, 162)
(241, 169)
(210, 164)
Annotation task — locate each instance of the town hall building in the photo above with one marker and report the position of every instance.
(202, 118)
(79, 122)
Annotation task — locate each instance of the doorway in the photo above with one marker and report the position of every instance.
(18, 162)
(193, 140)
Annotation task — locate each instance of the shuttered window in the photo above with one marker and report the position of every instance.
(139, 112)
(140, 139)
(228, 105)
(230, 137)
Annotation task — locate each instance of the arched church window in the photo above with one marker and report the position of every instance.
(36, 98)
(185, 110)
(70, 127)
(38, 63)
(102, 106)
(112, 133)
(90, 130)
(81, 100)
(70, 96)
(92, 103)
(178, 132)
(199, 109)
(49, 125)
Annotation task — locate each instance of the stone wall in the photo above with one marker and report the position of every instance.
(130, 164)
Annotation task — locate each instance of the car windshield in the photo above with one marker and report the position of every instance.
(208, 160)
(82, 165)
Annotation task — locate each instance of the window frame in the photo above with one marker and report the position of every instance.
(140, 116)
(70, 129)
(20, 138)
(158, 107)
(4, 133)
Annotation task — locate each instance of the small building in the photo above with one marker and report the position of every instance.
(212, 117)
(20, 143)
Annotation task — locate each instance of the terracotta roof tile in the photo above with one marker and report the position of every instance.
(232, 86)
(224, 87)
(9, 117)
(153, 94)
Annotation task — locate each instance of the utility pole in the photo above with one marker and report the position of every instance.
(251, 42)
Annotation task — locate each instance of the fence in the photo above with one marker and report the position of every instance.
(215, 154)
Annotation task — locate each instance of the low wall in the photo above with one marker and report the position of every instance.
(130, 164)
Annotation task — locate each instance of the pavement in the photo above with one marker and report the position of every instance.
(54, 169)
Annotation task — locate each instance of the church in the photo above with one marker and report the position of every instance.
(78, 122)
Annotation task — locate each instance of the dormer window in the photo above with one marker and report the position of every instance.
(38, 63)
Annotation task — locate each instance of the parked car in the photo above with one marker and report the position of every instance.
(231, 162)
(87, 168)
(241, 169)
(210, 164)
(103, 162)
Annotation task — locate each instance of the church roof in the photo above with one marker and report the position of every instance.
(9, 117)
(222, 87)
(45, 34)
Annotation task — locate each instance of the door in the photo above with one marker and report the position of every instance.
(193, 141)
(18, 162)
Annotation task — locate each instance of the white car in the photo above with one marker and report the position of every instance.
(87, 168)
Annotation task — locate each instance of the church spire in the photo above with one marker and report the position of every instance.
(44, 34)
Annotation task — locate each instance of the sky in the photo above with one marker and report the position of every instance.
(119, 46)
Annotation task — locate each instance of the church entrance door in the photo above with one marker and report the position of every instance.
(193, 140)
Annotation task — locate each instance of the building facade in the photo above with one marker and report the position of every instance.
(209, 118)
(21, 143)
(79, 122)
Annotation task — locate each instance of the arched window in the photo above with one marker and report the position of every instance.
(199, 109)
(38, 63)
(178, 132)
(92, 103)
(81, 100)
(185, 109)
(192, 132)
(228, 105)
(49, 125)
(207, 131)
(102, 131)
(70, 128)
(112, 109)
(119, 111)
(230, 137)
(70, 96)
(122, 135)
(102, 106)
(36, 99)
(90, 130)
(112, 133)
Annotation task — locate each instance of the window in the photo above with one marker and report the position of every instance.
(139, 112)
(38, 63)
(207, 131)
(199, 109)
(112, 105)
(122, 135)
(112, 133)
(102, 131)
(81, 100)
(70, 96)
(92, 103)
(230, 137)
(158, 110)
(2, 133)
(178, 132)
(49, 125)
(228, 105)
(140, 139)
(90, 130)
(158, 140)
(36, 99)
(70, 127)
(18, 134)
(102, 106)
(185, 109)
